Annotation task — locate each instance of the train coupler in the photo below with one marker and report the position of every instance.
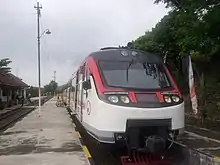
(143, 159)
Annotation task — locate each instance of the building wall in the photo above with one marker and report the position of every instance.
(3, 96)
(7, 96)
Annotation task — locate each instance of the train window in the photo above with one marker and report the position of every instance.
(87, 73)
(130, 74)
(83, 71)
(77, 87)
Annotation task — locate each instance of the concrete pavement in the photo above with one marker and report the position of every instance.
(48, 140)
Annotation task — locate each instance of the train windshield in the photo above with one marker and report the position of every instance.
(129, 74)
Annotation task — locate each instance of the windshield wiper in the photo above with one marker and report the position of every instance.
(131, 63)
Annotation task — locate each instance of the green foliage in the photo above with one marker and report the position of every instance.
(33, 91)
(63, 87)
(51, 87)
(197, 24)
(4, 65)
(192, 26)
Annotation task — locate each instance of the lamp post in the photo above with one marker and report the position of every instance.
(47, 31)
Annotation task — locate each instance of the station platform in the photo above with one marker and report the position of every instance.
(46, 140)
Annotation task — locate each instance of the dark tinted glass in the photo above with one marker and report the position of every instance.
(134, 75)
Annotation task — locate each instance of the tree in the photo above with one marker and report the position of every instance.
(63, 87)
(4, 65)
(198, 24)
(192, 26)
(33, 91)
(51, 87)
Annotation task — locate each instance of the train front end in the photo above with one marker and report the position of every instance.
(140, 102)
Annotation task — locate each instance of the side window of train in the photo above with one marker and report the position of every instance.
(87, 80)
(84, 70)
(87, 74)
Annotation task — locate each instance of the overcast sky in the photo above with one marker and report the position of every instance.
(78, 27)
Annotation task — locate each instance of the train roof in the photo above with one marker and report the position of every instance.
(124, 54)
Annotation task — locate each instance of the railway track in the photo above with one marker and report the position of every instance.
(13, 116)
(5, 115)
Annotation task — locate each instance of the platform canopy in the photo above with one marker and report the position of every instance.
(10, 80)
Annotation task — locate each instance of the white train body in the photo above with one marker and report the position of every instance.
(108, 111)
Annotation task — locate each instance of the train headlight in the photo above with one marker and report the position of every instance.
(113, 99)
(167, 99)
(176, 99)
(125, 99)
(120, 136)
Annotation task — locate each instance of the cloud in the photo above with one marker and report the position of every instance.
(78, 28)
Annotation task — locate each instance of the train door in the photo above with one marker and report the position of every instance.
(78, 94)
(86, 97)
(72, 94)
(80, 105)
(76, 91)
(82, 92)
(69, 94)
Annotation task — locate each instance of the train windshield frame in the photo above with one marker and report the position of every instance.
(134, 75)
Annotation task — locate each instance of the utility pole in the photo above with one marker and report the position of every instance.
(47, 31)
(38, 8)
(54, 76)
(54, 79)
